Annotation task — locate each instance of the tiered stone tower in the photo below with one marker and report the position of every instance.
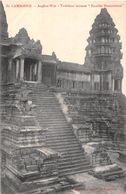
(3, 23)
(103, 54)
(3, 39)
(103, 57)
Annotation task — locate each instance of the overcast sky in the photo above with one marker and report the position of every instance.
(63, 26)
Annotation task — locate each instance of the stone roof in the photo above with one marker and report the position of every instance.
(73, 67)
(49, 59)
(104, 16)
(24, 46)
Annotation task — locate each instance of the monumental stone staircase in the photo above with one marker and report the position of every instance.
(59, 134)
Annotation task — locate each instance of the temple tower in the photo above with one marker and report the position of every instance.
(103, 58)
(3, 23)
(103, 54)
(3, 43)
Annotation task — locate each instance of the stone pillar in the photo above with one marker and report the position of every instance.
(39, 71)
(113, 84)
(30, 73)
(21, 69)
(101, 81)
(110, 81)
(10, 71)
(121, 85)
(10, 65)
(92, 82)
(17, 69)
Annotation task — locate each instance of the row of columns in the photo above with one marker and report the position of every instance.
(20, 69)
(100, 82)
(111, 83)
(20, 75)
(66, 83)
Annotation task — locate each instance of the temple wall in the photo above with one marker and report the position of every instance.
(89, 82)
(48, 74)
(94, 115)
(73, 80)
(22, 136)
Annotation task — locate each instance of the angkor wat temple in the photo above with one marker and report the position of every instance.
(51, 110)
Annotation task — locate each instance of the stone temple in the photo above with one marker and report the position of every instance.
(52, 111)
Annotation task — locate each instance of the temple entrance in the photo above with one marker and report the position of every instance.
(30, 69)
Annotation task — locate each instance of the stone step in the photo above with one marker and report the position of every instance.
(64, 138)
(42, 99)
(43, 102)
(71, 155)
(75, 159)
(54, 121)
(52, 111)
(60, 136)
(75, 162)
(76, 149)
(67, 132)
(115, 172)
(50, 106)
(66, 171)
(62, 144)
(67, 150)
(74, 167)
(70, 165)
(46, 116)
(56, 126)
(63, 131)
(63, 147)
(69, 168)
(85, 169)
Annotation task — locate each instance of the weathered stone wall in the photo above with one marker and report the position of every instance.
(22, 136)
(101, 111)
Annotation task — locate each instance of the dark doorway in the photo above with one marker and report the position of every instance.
(30, 69)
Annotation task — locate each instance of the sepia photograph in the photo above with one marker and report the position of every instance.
(62, 97)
